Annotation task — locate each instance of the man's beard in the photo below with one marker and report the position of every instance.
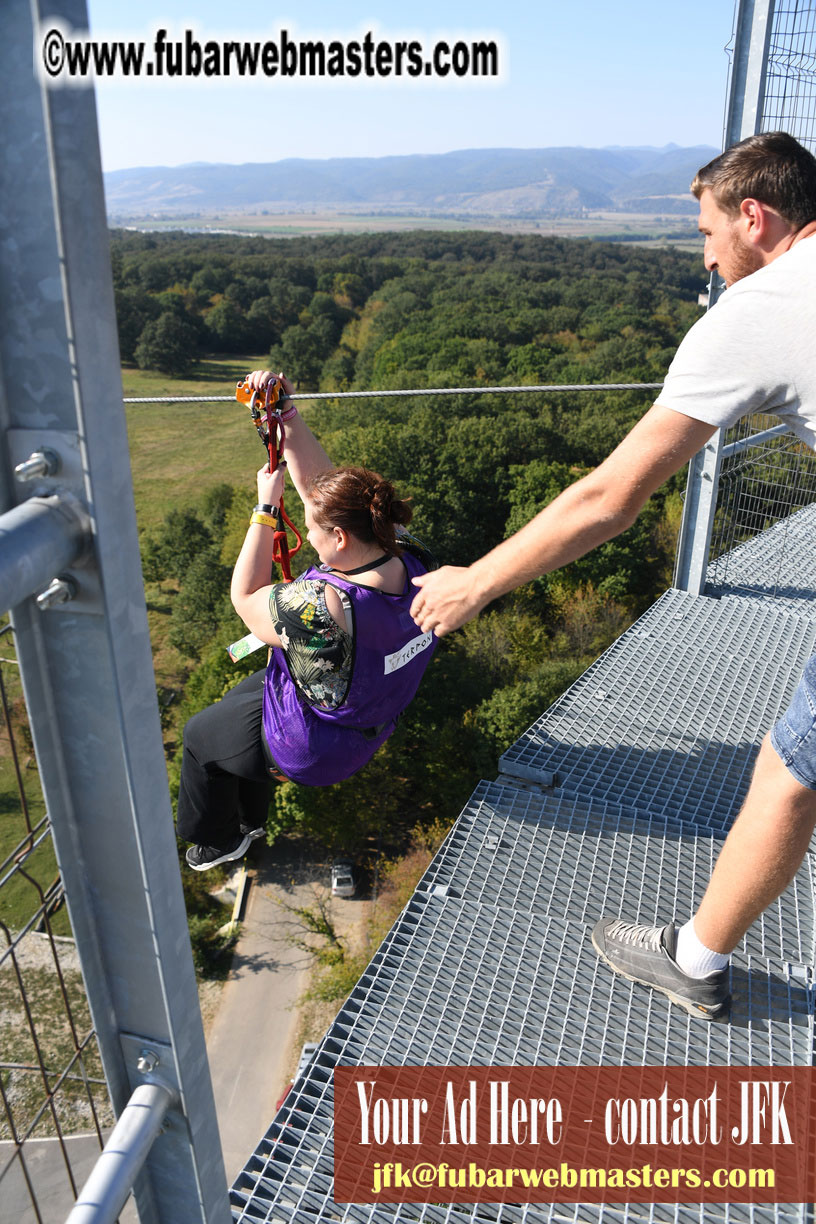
(743, 259)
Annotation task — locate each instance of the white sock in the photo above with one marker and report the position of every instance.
(693, 957)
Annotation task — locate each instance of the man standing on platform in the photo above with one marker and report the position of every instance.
(754, 352)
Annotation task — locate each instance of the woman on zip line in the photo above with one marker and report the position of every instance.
(346, 656)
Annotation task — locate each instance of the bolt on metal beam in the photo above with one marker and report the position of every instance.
(37, 540)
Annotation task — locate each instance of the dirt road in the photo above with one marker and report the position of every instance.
(250, 1040)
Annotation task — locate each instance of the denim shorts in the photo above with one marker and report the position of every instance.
(794, 736)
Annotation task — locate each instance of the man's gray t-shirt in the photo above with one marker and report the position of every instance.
(755, 350)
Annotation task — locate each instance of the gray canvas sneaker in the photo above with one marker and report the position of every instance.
(202, 858)
(645, 954)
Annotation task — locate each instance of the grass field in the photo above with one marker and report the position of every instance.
(30, 863)
(644, 229)
(179, 450)
(19, 895)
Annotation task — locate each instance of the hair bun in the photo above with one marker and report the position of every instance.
(380, 497)
(384, 502)
(361, 502)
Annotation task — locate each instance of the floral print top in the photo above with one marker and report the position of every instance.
(319, 653)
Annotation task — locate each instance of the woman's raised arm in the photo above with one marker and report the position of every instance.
(303, 453)
(250, 587)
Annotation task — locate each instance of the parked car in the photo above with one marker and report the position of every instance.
(307, 1053)
(343, 883)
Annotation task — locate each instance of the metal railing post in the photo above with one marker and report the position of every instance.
(694, 540)
(746, 95)
(85, 656)
(746, 98)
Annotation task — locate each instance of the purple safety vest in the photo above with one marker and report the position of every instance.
(317, 747)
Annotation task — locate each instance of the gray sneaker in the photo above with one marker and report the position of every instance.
(202, 858)
(645, 954)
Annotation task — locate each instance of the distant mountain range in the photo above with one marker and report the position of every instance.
(472, 182)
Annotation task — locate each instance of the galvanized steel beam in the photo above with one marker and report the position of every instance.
(746, 97)
(86, 664)
(694, 540)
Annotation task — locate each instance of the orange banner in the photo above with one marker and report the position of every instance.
(574, 1134)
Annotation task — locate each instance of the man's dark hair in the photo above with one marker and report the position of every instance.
(771, 167)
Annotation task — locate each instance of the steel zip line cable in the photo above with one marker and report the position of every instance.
(321, 395)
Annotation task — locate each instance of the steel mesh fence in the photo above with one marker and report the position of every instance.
(790, 79)
(54, 1102)
(759, 486)
(773, 477)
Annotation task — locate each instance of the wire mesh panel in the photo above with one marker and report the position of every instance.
(760, 486)
(755, 568)
(790, 81)
(763, 484)
(54, 1102)
(772, 88)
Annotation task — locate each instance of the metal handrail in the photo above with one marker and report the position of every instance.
(111, 1180)
(743, 444)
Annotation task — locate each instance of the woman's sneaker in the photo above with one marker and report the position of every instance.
(201, 858)
(645, 954)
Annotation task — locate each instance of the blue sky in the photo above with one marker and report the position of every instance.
(579, 72)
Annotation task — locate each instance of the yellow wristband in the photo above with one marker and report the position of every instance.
(265, 520)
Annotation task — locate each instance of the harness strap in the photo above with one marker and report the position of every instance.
(272, 433)
(271, 764)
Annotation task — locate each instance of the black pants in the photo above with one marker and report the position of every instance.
(224, 776)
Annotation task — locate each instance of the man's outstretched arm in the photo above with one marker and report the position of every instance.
(588, 513)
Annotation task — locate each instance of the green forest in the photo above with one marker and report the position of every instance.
(419, 310)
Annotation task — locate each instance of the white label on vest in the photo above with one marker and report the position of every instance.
(394, 662)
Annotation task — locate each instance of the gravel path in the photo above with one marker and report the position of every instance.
(34, 951)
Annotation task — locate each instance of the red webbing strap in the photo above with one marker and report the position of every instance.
(272, 434)
(275, 442)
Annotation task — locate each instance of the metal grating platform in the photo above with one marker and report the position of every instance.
(457, 983)
(539, 853)
(556, 1213)
(670, 717)
(649, 754)
(777, 567)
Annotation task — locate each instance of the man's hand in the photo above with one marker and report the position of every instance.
(446, 599)
(588, 513)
